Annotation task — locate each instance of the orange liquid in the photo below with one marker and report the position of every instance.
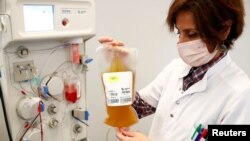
(121, 116)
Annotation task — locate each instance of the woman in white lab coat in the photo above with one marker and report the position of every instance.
(204, 86)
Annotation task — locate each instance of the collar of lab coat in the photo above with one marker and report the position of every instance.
(202, 84)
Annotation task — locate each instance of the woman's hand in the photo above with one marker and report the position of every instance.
(108, 41)
(123, 134)
(110, 44)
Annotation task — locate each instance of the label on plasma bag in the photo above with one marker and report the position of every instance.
(118, 88)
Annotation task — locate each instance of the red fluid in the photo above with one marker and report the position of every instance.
(76, 53)
(70, 92)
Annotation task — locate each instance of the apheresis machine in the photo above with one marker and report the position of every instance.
(42, 69)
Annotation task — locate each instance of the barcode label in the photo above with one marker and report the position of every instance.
(118, 88)
(126, 100)
(113, 101)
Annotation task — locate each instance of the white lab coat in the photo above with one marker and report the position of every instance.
(221, 97)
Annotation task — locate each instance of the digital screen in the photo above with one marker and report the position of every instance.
(38, 18)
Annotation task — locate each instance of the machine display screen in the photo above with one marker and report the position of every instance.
(38, 18)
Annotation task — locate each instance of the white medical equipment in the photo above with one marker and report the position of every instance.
(43, 69)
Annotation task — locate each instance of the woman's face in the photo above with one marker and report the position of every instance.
(186, 27)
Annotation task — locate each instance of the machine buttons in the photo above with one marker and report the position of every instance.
(53, 123)
(52, 109)
(65, 22)
(77, 129)
(22, 51)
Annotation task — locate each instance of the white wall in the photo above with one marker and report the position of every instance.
(140, 24)
(240, 53)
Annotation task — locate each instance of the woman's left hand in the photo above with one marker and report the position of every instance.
(125, 135)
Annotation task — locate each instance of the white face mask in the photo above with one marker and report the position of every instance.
(195, 53)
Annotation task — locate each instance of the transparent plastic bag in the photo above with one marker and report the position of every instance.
(72, 89)
(117, 69)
